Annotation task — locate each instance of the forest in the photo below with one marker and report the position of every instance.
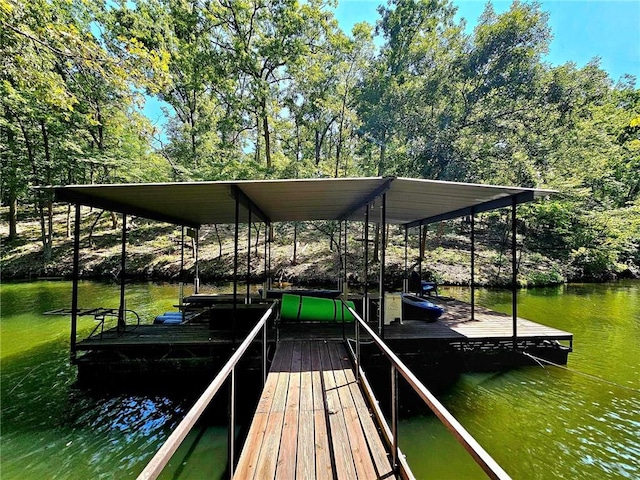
(275, 89)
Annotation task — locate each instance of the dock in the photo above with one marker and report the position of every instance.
(312, 421)
(487, 340)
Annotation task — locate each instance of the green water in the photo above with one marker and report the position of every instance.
(537, 423)
(549, 423)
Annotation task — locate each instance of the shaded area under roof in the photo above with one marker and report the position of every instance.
(409, 201)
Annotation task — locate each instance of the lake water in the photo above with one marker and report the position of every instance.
(538, 423)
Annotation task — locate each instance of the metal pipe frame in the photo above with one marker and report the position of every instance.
(123, 274)
(163, 455)
(74, 290)
(479, 454)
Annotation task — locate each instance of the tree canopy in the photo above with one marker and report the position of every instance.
(274, 88)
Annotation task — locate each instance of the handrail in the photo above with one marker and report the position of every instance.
(162, 456)
(479, 454)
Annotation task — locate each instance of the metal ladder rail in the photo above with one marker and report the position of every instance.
(163, 455)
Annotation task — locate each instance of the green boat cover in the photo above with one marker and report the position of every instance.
(298, 308)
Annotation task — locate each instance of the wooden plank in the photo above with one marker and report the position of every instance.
(286, 465)
(359, 448)
(267, 460)
(375, 443)
(324, 467)
(306, 465)
(253, 443)
(342, 449)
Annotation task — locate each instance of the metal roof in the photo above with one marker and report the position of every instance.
(409, 201)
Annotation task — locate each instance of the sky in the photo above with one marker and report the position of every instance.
(582, 30)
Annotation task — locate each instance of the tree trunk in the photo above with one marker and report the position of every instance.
(215, 226)
(68, 231)
(46, 230)
(93, 226)
(13, 217)
(114, 220)
(294, 258)
(265, 132)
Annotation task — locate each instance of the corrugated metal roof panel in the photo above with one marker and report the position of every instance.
(199, 203)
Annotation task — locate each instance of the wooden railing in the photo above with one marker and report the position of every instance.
(163, 455)
(479, 454)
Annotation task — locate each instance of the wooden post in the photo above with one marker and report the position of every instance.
(76, 275)
(123, 274)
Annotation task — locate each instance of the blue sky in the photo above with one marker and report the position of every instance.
(582, 30)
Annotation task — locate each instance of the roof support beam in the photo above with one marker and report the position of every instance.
(522, 197)
(246, 202)
(80, 198)
(363, 202)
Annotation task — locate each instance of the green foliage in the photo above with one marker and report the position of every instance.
(264, 89)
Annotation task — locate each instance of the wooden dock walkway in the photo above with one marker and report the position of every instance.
(312, 421)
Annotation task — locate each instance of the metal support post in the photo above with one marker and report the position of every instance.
(182, 254)
(232, 423)
(420, 253)
(235, 270)
(269, 255)
(123, 274)
(266, 271)
(405, 280)
(248, 280)
(76, 275)
(514, 273)
(394, 417)
(383, 251)
(365, 308)
(345, 283)
(473, 265)
(196, 282)
(264, 354)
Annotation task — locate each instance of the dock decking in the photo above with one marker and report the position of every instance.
(454, 325)
(312, 421)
